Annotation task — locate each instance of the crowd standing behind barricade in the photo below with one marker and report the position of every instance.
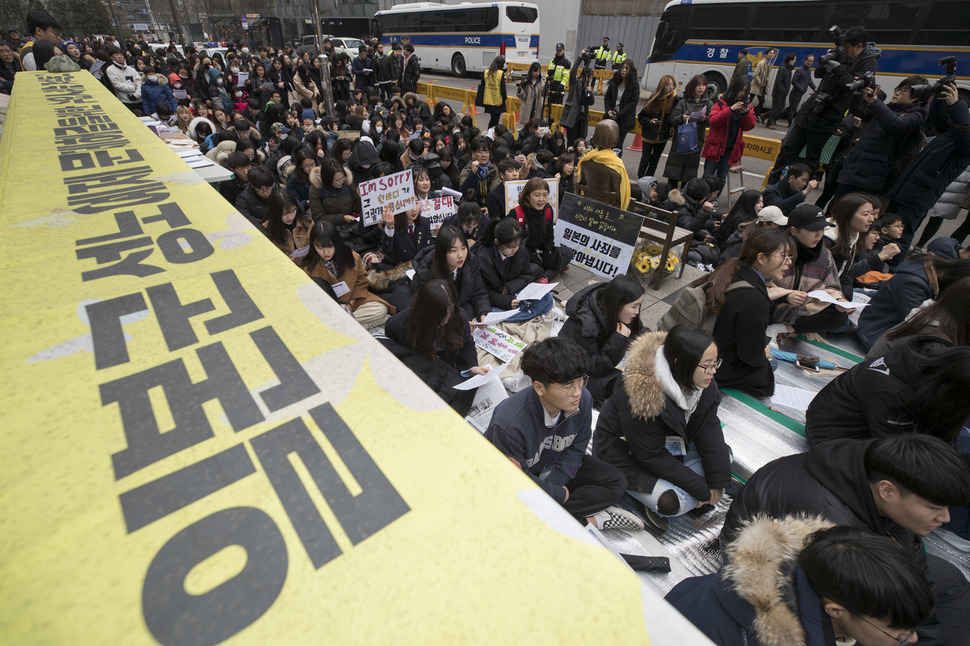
(298, 169)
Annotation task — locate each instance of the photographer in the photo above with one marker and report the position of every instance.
(943, 159)
(818, 118)
(575, 111)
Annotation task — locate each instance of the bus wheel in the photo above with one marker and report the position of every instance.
(718, 80)
(458, 65)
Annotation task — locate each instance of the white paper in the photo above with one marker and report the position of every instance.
(180, 94)
(340, 288)
(410, 274)
(794, 398)
(487, 397)
(302, 251)
(700, 113)
(480, 380)
(535, 291)
(202, 162)
(497, 317)
(497, 343)
(243, 77)
(453, 193)
(188, 153)
(96, 68)
(825, 297)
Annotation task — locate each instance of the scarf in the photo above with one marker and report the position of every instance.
(608, 158)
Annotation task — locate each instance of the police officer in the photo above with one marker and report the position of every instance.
(603, 54)
(618, 57)
(557, 74)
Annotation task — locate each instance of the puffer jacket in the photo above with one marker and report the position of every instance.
(330, 203)
(825, 108)
(631, 430)
(153, 93)
(954, 197)
(720, 124)
(867, 164)
(914, 282)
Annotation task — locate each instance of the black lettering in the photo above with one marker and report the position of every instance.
(175, 616)
(130, 265)
(75, 161)
(295, 384)
(145, 504)
(107, 335)
(146, 443)
(106, 159)
(173, 317)
(170, 213)
(170, 245)
(242, 309)
(128, 226)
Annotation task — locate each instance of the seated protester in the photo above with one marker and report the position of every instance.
(504, 263)
(770, 217)
(791, 190)
(308, 121)
(333, 261)
(920, 386)
(897, 486)
(390, 153)
(480, 175)
(253, 201)
(240, 164)
(434, 340)
(691, 215)
(449, 259)
(422, 183)
(412, 153)
(470, 220)
(546, 429)
(363, 159)
(604, 319)
(332, 198)
(416, 109)
(737, 294)
(287, 225)
(945, 318)
(534, 215)
(155, 91)
(449, 170)
(853, 216)
(298, 183)
(565, 168)
(918, 279)
(405, 234)
(508, 171)
(890, 228)
(798, 580)
(746, 209)
(813, 269)
(661, 429)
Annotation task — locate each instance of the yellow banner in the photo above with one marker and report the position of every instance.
(199, 446)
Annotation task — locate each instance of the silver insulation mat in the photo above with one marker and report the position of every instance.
(937, 545)
(755, 439)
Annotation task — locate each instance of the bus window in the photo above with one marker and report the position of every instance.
(522, 14)
(887, 23)
(671, 34)
(945, 23)
(713, 22)
(799, 22)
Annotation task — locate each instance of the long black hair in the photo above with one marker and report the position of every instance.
(948, 312)
(939, 404)
(434, 319)
(736, 91)
(279, 203)
(742, 211)
(618, 293)
(683, 349)
(504, 230)
(447, 235)
(325, 234)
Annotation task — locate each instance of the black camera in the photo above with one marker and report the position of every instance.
(927, 90)
(838, 52)
(588, 55)
(864, 82)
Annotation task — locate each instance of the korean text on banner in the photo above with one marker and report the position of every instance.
(396, 191)
(514, 189)
(437, 210)
(603, 236)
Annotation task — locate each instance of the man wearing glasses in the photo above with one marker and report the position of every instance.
(545, 429)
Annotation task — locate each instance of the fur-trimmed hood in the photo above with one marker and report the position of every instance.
(640, 379)
(315, 179)
(760, 565)
(676, 197)
(381, 280)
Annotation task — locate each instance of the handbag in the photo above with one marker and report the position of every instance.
(686, 141)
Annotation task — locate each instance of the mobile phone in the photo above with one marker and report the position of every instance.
(805, 364)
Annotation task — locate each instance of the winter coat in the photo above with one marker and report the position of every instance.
(362, 80)
(481, 186)
(740, 68)
(857, 264)
(126, 82)
(913, 282)
(531, 95)
(518, 430)
(862, 403)
(504, 280)
(575, 109)
(297, 238)
(720, 125)
(824, 109)
(298, 189)
(759, 597)
(356, 280)
(868, 162)
(253, 206)
(419, 109)
(654, 133)
(328, 202)
(940, 162)
(740, 336)
(410, 73)
(954, 198)
(153, 93)
(801, 81)
(473, 235)
(631, 430)
(472, 295)
(684, 167)
(626, 105)
(402, 246)
(585, 324)
(782, 195)
(692, 216)
(782, 84)
(813, 269)
(759, 81)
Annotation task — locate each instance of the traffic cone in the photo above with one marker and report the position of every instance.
(637, 144)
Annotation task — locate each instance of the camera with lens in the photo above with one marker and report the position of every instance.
(838, 52)
(864, 82)
(588, 54)
(927, 90)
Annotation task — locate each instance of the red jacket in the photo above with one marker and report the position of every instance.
(718, 122)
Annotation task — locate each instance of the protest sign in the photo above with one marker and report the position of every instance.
(395, 190)
(514, 189)
(436, 210)
(603, 236)
(498, 343)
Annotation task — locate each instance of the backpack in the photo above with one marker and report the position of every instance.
(690, 308)
(520, 216)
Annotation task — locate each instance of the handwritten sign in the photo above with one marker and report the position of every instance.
(603, 236)
(514, 189)
(498, 343)
(396, 191)
(437, 210)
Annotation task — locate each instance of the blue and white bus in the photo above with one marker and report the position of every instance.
(465, 37)
(706, 36)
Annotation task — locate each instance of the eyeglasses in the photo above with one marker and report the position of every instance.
(900, 641)
(575, 384)
(710, 368)
(787, 257)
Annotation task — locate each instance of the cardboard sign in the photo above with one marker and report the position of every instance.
(603, 236)
(395, 190)
(514, 189)
(497, 343)
(437, 210)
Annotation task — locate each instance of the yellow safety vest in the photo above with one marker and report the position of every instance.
(558, 71)
(603, 54)
(618, 58)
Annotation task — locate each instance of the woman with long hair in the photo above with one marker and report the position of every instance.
(730, 117)
(853, 215)
(531, 90)
(449, 259)
(946, 318)
(331, 197)
(287, 225)
(622, 97)
(698, 99)
(745, 209)
(654, 124)
(491, 91)
(298, 183)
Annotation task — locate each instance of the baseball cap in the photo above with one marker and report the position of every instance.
(560, 46)
(945, 248)
(774, 215)
(807, 216)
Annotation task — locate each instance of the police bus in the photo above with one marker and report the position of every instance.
(462, 38)
(706, 36)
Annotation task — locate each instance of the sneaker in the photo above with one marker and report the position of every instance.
(617, 518)
(658, 523)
